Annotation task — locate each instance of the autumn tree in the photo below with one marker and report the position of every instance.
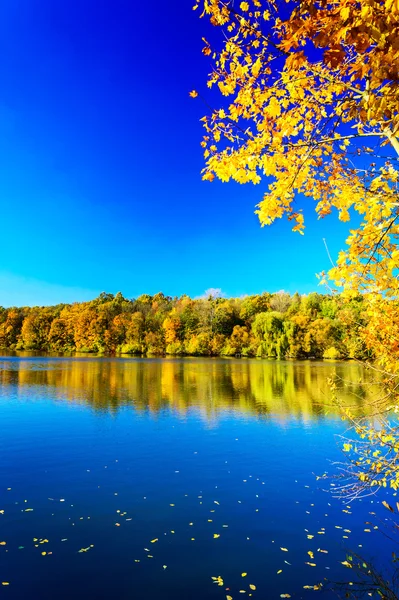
(310, 107)
(35, 329)
(280, 301)
(269, 328)
(10, 327)
(252, 305)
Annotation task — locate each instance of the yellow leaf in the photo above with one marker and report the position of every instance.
(274, 108)
(193, 94)
(384, 503)
(346, 564)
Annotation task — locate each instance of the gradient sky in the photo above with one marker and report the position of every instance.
(100, 164)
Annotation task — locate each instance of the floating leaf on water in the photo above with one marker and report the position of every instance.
(216, 535)
(154, 540)
(244, 574)
(252, 586)
(384, 503)
(284, 549)
(5, 583)
(279, 571)
(346, 564)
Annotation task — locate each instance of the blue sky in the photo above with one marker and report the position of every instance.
(100, 164)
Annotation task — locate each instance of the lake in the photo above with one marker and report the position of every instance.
(145, 478)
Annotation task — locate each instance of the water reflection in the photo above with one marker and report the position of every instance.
(250, 387)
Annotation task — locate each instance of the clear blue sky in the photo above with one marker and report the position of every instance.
(100, 164)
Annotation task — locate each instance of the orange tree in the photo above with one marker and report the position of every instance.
(310, 95)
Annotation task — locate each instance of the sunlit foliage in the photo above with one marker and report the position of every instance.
(312, 326)
(310, 107)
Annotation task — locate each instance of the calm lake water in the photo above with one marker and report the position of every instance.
(145, 478)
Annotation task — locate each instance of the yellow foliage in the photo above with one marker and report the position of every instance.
(312, 98)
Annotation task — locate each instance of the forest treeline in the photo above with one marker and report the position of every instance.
(276, 325)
